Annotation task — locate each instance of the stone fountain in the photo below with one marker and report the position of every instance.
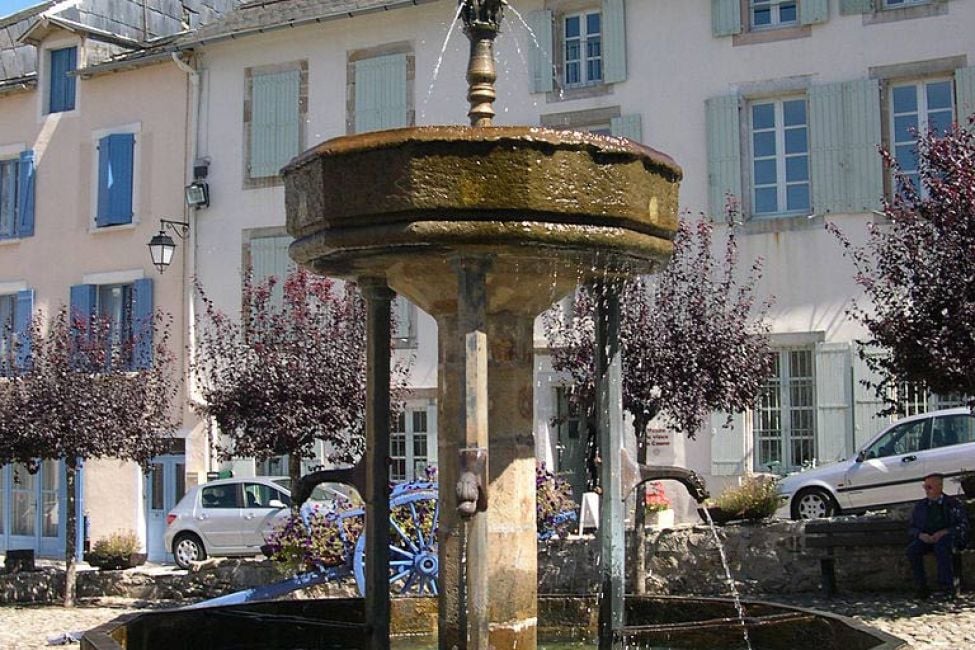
(483, 227)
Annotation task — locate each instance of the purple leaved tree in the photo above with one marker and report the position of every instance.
(288, 372)
(917, 270)
(79, 387)
(694, 341)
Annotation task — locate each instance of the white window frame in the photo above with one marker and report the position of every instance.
(136, 130)
(584, 60)
(781, 386)
(923, 113)
(898, 4)
(44, 78)
(775, 14)
(780, 157)
(415, 425)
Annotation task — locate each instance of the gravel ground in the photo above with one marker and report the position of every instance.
(925, 625)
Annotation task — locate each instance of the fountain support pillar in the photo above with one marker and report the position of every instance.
(378, 300)
(486, 353)
(609, 424)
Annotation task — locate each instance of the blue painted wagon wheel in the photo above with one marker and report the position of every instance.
(413, 562)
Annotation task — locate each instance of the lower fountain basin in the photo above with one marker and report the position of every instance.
(658, 622)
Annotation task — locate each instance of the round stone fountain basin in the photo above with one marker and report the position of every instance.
(541, 204)
(659, 622)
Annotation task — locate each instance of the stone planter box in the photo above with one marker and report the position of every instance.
(659, 519)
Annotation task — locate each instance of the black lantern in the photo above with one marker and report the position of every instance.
(162, 246)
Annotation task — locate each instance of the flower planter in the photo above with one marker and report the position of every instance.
(660, 519)
(967, 482)
(115, 562)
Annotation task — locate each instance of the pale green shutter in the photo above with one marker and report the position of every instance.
(380, 93)
(813, 11)
(627, 126)
(727, 445)
(275, 123)
(724, 152)
(614, 41)
(834, 435)
(847, 172)
(403, 312)
(540, 53)
(866, 404)
(850, 7)
(269, 257)
(965, 95)
(725, 17)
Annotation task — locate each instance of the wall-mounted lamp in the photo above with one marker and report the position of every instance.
(161, 246)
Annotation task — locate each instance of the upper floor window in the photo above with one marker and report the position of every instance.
(583, 48)
(8, 303)
(17, 196)
(780, 156)
(116, 175)
(773, 13)
(125, 310)
(273, 113)
(382, 92)
(61, 89)
(893, 4)
(916, 108)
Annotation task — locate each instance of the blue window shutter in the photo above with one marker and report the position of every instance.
(142, 312)
(724, 152)
(614, 41)
(965, 96)
(62, 87)
(83, 301)
(380, 93)
(275, 121)
(725, 17)
(540, 54)
(25, 194)
(851, 7)
(23, 313)
(812, 12)
(116, 154)
(627, 126)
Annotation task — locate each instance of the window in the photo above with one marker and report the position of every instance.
(784, 416)
(8, 304)
(61, 89)
(275, 108)
(903, 439)
(780, 157)
(116, 161)
(773, 13)
(259, 495)
(219, 496)
(34, 500)
(894, 4)
(914, 398)
(410, 445)
(127, 308)
(917, 108)
(952, 430)
(583, 49)
(17, 196)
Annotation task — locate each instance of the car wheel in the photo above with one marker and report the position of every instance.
(188, 548)
(813, 503)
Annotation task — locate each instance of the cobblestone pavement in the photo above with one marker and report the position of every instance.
(925, 625)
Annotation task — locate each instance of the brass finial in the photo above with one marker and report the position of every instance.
(482, 21)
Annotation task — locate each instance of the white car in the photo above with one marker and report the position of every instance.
(888, 470)
(231, 517)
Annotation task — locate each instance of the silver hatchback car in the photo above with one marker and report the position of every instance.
(231, 517)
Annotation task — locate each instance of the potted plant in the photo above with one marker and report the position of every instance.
(755, 499)
(656, 505)
(120, 550)
(967, 482)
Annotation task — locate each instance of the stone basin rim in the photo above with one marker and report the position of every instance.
(500, 135)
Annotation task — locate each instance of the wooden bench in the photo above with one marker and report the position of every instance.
(827, 535)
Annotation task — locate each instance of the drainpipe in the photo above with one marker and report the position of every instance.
(190, 248)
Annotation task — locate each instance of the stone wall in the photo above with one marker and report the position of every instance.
(764, 559)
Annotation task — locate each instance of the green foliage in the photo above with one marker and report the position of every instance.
(118, 544)
(755, 499)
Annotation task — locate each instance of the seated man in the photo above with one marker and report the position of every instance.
(939, 524)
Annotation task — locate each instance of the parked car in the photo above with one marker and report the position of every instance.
(888, 469)
(230, 517)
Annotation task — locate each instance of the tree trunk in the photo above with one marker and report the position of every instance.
(638, 578)
(294, 472)
(70, 533)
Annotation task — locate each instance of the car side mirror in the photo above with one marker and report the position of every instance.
(861, 455)
(275, 503)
